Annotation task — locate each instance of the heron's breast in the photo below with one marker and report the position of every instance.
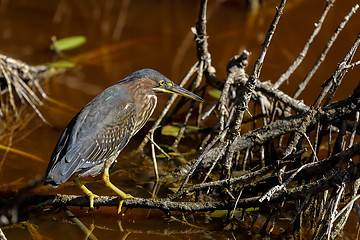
(144, 110)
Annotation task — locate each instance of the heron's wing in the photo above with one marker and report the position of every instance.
(101, 129)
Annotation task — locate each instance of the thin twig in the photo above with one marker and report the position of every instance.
(330, 86)
(158, 147)
(2, 235)
(243, 97)
(154, 157)
(323, 54)
(285, 76)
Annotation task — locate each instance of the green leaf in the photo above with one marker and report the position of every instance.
(167, 148)
(252, 209)
(62, 64)
(219, 213)
(215, 93)
(170, 131)
(68, 43)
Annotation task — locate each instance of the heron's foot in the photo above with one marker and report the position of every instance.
(91, 197)
(122, 201)
(118, 191)
(126, 196)
(87, 192)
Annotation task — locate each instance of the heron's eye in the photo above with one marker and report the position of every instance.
(162, 82)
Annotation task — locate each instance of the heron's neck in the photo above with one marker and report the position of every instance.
(144, 111)
(145, 101)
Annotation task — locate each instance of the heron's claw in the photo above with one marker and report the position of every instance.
(91, 199)
(122, 201)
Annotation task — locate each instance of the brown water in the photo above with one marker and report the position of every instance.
(155, 34)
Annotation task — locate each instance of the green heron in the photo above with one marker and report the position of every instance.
(94, 138)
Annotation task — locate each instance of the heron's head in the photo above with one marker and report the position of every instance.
(151, 79)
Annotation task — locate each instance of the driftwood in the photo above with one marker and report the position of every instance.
(21, 81)
(268, 178)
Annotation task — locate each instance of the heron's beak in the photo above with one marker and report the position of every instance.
(180, 91)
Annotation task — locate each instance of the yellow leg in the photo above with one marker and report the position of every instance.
(87, 192)
(120, 193)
